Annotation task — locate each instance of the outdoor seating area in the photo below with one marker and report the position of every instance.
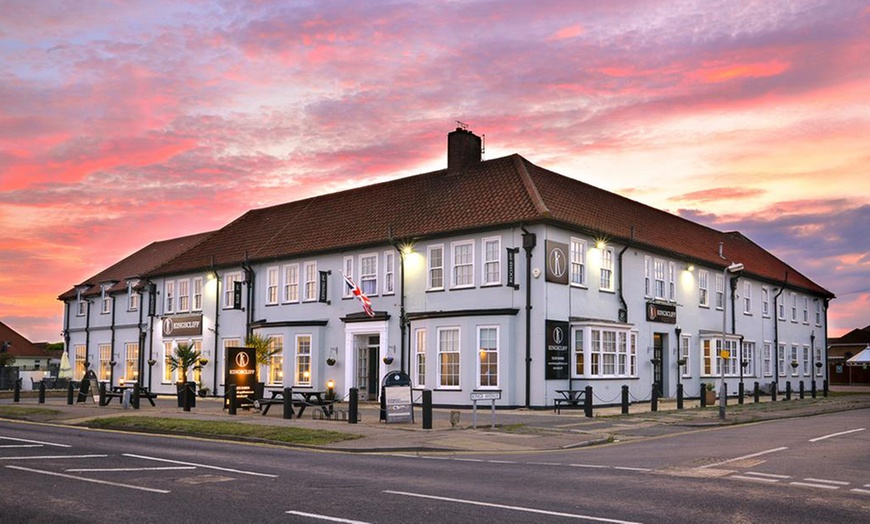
(573, 398)
(301, 400)
(53, 383)
(119, 392)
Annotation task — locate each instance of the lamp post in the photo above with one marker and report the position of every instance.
(733, 268)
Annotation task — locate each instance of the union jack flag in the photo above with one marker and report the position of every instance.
(358, 293)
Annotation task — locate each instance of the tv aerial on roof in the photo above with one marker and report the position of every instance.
(462, 125)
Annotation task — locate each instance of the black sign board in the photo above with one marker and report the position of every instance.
(182, 326)
(241, 369)
(558, 356)
(321, 297)
(512, 267)
(557, 262)
(237, 294)
(665, 313)
(152, 300)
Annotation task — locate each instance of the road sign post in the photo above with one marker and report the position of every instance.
(483, 395)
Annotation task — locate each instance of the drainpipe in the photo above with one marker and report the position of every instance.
(217, 312)
(249, 281)
(87, 336)
(66, 327)
(529, 241)
(733, 284)
(112, 354)
(152, 311)
(403, 328)
(141, 326)
(825, 346)
(776, 332)
(623, 313)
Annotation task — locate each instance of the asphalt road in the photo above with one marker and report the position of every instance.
(814, 469)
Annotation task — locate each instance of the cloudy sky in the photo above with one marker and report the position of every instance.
(122, 123)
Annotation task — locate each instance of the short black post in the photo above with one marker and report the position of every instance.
(724, 392)
(353, 406)
(740, 392)
(825, 388)
(703, 395)
(813, 388)
(801, 389)
(587, 402)
(70, 393)
(185, 399)
(16, 394)
(756, 391)
(427, 409)
(42, 392)
(654, 398)
(103, 394)
(288, 403)
(773, 387)
(136, 397)
(680, 396)
(625, 400)
(788, 390)
(231, 398)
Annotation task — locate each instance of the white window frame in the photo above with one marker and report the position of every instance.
(486, 354)
(347, 264)
(389, 272)
(647, 276)
(434, 269)
(183, 302)
(672, 281)
(578, 352)
(685, 352)
(491, 267)
(767, 359)
(105, 370)
(132, 295)
(806, 310)
(444, 350)
(80, 356)
(607, 351)
(302, 359)
(291, 283)
(169, 296)
(807, 366)
(720, 292)
(131, 361)
(275, 374)
(780, 354)
(420, 357)
(747, 354)
(310, 269)
(368, 276)
(606, 274)
(659, 279)
(81, 309)
(461, 272)
(577, 255)
(272, 283)
(795, 371)
(765, 302)
(703, 288)
(747, 297)
(794, 317)
(818, 358)
(229, 279)
(818, 312)
(197, 294)
(105, 299)
(710, 350)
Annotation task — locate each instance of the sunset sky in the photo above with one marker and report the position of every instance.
(122, 123)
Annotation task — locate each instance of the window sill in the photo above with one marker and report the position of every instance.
(461, 288)
(610, 291)
(435, 290)
(491, 284)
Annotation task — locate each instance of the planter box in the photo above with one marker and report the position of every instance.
(709, 397)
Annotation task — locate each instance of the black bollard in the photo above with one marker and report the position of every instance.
(427, 409)
(103, 394)
(813, 388)
(288, 403)
(825, 388)
(231, 399)
(740, 392)
(773, 387)
(185, 397)
(801, 389)
(587, 402)
(654, 399)
(137, 395)
(788, 390)
(353, 406)
(70, 393)
(42, 392)
(703, 395)
(16, 394)
(680, 396)
(756, 391)
(625, 400)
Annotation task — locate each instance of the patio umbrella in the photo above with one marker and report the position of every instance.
(65, 368)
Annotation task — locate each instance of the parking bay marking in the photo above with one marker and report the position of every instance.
(85, 479)
(53, 457)
(254, 473)
(110, 470)
(35, 442)
(836, 434)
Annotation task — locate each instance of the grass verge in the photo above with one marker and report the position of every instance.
(23, 412)
(209, 428)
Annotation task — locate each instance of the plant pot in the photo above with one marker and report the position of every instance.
(388, 360)
(189, 388)
(709, 397)
(330, 362)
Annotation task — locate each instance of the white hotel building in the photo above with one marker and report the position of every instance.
(487, 275)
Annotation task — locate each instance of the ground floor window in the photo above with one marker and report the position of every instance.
(711, 353)
(448, 357)
(793, 362)
(131, 362)
(685, 352)
(420, 357)
(780, 359)
(81, 359)
(818, 362)
(303, 360)
(806, 361)
(487, 350)
(600, 351)
(105, 359)
(767, 359)
(748, 357)
(276, 360)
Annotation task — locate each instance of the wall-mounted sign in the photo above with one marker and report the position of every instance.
(182, 326)
(237, 294)
(558, 360)
(241, 369)
(557, 262)
(321, 296)
(512, 267)
(665, 313)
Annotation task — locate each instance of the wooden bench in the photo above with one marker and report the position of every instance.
(118, 392)
(570, 398)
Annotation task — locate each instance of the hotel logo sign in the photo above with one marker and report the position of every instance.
(182, 326)
(557, 262)
(665, 313)
(557, 351)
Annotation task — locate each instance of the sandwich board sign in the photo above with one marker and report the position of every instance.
(241, 366)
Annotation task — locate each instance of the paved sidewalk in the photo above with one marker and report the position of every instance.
(516, 430)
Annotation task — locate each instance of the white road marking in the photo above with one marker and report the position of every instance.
(771, 475)
(811, 485)
(543, 464)
(594, 466)
(837, 434)
(36, 442)
(859, 490)
(52, 457)
(502, 461)
(108, 470)
(626, 468)
(744, 457)
(325, 517)
(467, 460)
(755, 479)
(201, 465)
(85, 479)
(836, 482)
(21, 446)
(513, 508)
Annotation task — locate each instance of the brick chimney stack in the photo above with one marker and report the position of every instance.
(463, 149)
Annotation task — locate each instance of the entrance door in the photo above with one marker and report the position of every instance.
(658, 362)
(367, 367)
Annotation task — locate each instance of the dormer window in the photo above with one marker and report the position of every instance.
(105, 299)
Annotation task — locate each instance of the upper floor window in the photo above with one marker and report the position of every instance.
(491, 261)
(132, 295)
(659, 266)
(389, 272)
(106, 299)
(229, 285)
(606, 283)
(169, 296)
(703, 288)
(578, 262)
(184, 295)
(818, 312)
(197, 294)
(435, 257)
(720, 292)
(672, 281)
(747, 297)
(806, 310)
(348, 272)
(368, 274)
(781, 309)
(311, 281)
(272, 286)
(291, 283)
(80, 304)
(765, 302)
(463, 264)
(793, 307)
(647, 276)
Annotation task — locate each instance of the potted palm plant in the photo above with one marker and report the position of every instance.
(185, 358)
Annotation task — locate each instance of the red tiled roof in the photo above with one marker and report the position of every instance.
(501, 192)
(137, 264)
(20, 346)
